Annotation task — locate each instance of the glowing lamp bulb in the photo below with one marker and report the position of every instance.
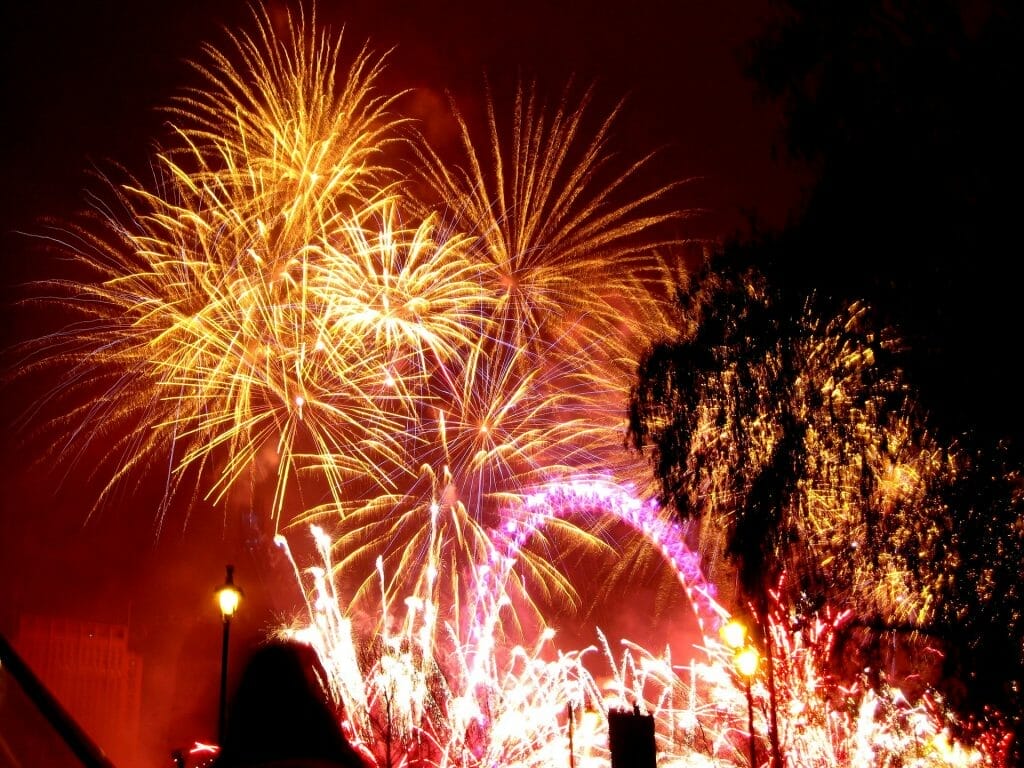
(228, 596)
(734, 633)
(746, 661)
(229, 600)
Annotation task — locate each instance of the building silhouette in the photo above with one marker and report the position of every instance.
(89, 669)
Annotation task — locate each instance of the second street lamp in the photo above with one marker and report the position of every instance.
(745, 661)
(228, 599)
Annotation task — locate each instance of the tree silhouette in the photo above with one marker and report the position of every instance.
(793, 438)
(871, 454)
(790, 434)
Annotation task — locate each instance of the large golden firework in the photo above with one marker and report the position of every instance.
(563, 230)
(280, 306)
(276, 105)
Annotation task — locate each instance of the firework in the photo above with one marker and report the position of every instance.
(207, 344)
(442, 679)
(274, 105)
(552, 217)
(468, 697)
(527, 384)
(272, 309)
(440, 380)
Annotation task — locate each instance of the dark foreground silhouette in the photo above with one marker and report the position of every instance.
(280, 715)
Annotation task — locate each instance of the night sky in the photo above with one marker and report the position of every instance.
(81, 87)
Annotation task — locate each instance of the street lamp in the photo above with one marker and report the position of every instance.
(228, 598)
(745, 661)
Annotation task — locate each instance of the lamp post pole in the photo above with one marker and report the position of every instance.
(572, 748)
(750, 725)
(222, 713)
(228, 598)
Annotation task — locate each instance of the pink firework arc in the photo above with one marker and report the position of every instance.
(666, 534)
(448, 689)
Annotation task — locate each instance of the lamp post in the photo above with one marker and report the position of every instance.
(228, 598)
(745, 661)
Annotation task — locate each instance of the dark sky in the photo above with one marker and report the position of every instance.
(82, 81)
(81, 84)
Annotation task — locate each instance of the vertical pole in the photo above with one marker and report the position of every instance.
(222, 719)
(773, 727)
(572, 749)
(387, 732)
(750, 726)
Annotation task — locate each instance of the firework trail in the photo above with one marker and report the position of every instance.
(831, 718)
(272, 308)
(467, 697)
(552, 217)
(569, 286)
(467, 692)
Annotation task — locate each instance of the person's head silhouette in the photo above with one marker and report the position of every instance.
(280, 714)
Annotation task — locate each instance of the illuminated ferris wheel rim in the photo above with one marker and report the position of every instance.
(645, 516)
